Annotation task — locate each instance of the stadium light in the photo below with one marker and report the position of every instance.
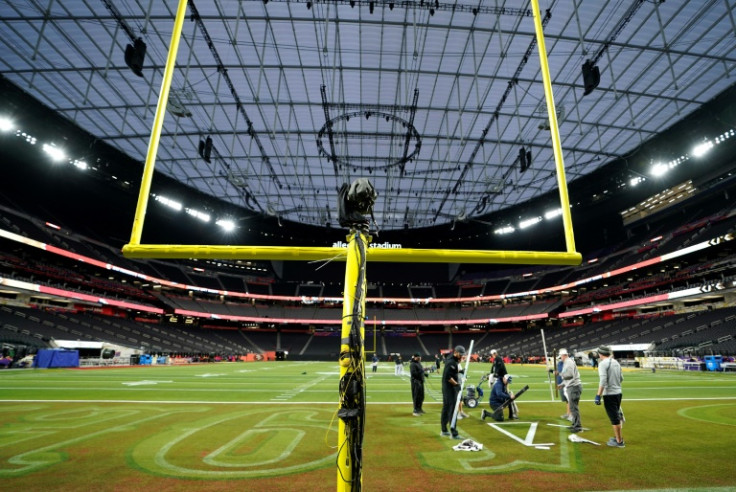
(81, 165)
(529, 222)
(553, 213)
(28, 138)
(702, 148)
(725, 135)
(659, 169)
(169, 203)
(56, 154)
(504, 230)
(204, 217)
(6, 124)
(226, 224)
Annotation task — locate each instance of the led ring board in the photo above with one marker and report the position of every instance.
(134, 249)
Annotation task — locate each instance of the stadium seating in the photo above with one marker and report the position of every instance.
(697, 329)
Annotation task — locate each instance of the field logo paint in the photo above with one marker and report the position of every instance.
(559, 458)
(723, 414)
(281, 443)
(40, 429)
(528, 440)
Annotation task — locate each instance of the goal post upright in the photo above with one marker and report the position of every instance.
(158, 123)
(554, 128)
(351, 412)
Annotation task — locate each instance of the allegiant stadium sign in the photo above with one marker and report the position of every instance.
(342, 244)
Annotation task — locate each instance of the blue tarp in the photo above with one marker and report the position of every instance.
(713, 362)
(56, 358)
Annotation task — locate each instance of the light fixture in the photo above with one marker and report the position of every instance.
(176, 107)
(370, 7)
(6, 124)
(54, 152)
(135, 54)
(309, 5)
(169, 202)
(205, 149)
(227, 224)
(529, 222)
(525, 159)
(702, 149)
(204, 217)
(659, 169)
(553, 213)
(28, 137)
(591, 77)
(81, 165)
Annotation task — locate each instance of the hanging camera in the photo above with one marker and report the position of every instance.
(355, 202)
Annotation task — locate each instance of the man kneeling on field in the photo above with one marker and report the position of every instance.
(499, 396)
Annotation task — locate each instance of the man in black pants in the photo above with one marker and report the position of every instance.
(417, 383)
(498, 367)
(609, 374)
(450, 390)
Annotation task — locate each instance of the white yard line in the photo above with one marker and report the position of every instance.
(331, 402)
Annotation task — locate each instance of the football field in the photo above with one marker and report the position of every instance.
(273, 426)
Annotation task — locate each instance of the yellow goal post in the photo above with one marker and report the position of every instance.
(134, 249)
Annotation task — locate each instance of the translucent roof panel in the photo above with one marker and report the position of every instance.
(431, 101)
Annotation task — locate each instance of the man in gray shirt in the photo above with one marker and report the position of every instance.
(609, 373)
(572, 388)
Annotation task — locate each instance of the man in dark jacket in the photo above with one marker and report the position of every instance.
(498, 367)
(417, 383)
(499, 396)
(450, 390)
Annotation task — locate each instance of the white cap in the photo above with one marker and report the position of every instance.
(562, 352)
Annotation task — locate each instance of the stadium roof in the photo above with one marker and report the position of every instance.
(432, 101)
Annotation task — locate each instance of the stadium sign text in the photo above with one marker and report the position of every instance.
(343, 244)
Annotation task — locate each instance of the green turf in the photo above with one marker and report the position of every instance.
(272, 426)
